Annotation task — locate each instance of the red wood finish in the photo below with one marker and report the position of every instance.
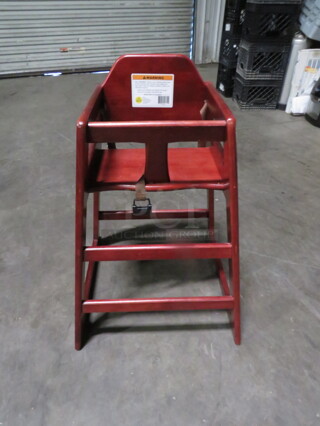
(156, 167)
(94, 186)
(222, 278)
(159, 251)
(80, 225)
(156, 214)
(198, 114)
(148, 131)
(96, 208)
(159, 304)
(88, 280)
(210, 195)
(185, 165)
(189, 88)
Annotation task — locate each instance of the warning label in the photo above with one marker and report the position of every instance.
(152, 90)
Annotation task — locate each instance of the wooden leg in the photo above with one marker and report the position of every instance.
(79, 265)
(92, 266)
(234, 267)
(210, 196)
(82, 157)
(96, 207)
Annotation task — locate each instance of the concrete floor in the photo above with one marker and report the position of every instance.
(156, 369)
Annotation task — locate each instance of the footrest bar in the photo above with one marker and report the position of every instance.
(158, 304)
(159, 251)
(156, 214)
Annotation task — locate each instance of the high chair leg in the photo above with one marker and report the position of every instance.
(234, 268)
(96, 207)
(84, 286)
(210, 196)
(79, 266)
(80, 235)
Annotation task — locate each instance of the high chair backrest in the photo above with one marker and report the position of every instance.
(194, 115)
(189, 89)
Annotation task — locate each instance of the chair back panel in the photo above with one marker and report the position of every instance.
(189, 89)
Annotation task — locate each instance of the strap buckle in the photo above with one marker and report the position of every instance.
(141, 209)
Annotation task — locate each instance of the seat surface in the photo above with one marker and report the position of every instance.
(186, 166)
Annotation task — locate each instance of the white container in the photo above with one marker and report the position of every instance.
(306, 73)
(299, 42)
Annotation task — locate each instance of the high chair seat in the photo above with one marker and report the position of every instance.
(185, 165)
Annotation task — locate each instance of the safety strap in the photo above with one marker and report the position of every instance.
(141, 194)
(203, 110)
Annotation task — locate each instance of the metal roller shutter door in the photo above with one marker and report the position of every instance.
(44, 36)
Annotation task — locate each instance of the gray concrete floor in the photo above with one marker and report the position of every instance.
(156, 369)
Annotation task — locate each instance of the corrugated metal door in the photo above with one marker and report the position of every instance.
(41, 36)
(209, 22)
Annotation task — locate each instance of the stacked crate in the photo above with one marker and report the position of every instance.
(231, 34)
(264, 51)
(310, 19)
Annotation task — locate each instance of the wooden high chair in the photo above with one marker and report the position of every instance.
(155, 100)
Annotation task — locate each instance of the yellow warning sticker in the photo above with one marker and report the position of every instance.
(152, 90)
(152, 77)
(311, 70)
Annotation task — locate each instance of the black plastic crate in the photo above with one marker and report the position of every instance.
(270, 22)
(233, 7)
(229, 49)
(233, 26)
(261, 60)
(225, 80)
(234, 17)
(235, 4)
(256, 94)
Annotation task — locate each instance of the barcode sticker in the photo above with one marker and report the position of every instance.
(152, 90)
(163, 99)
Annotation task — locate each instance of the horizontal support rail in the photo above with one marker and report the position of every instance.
(156, 124)
(156, 214)
(165, 131)
(159, 251)
(158, 304)
(154, 187)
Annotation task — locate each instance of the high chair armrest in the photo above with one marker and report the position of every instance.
(93, 108)
(228, 148)
(217, 105)
(92, 111)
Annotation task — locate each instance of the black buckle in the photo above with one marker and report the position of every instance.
(141, 210)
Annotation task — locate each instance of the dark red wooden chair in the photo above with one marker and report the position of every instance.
(198, 114)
